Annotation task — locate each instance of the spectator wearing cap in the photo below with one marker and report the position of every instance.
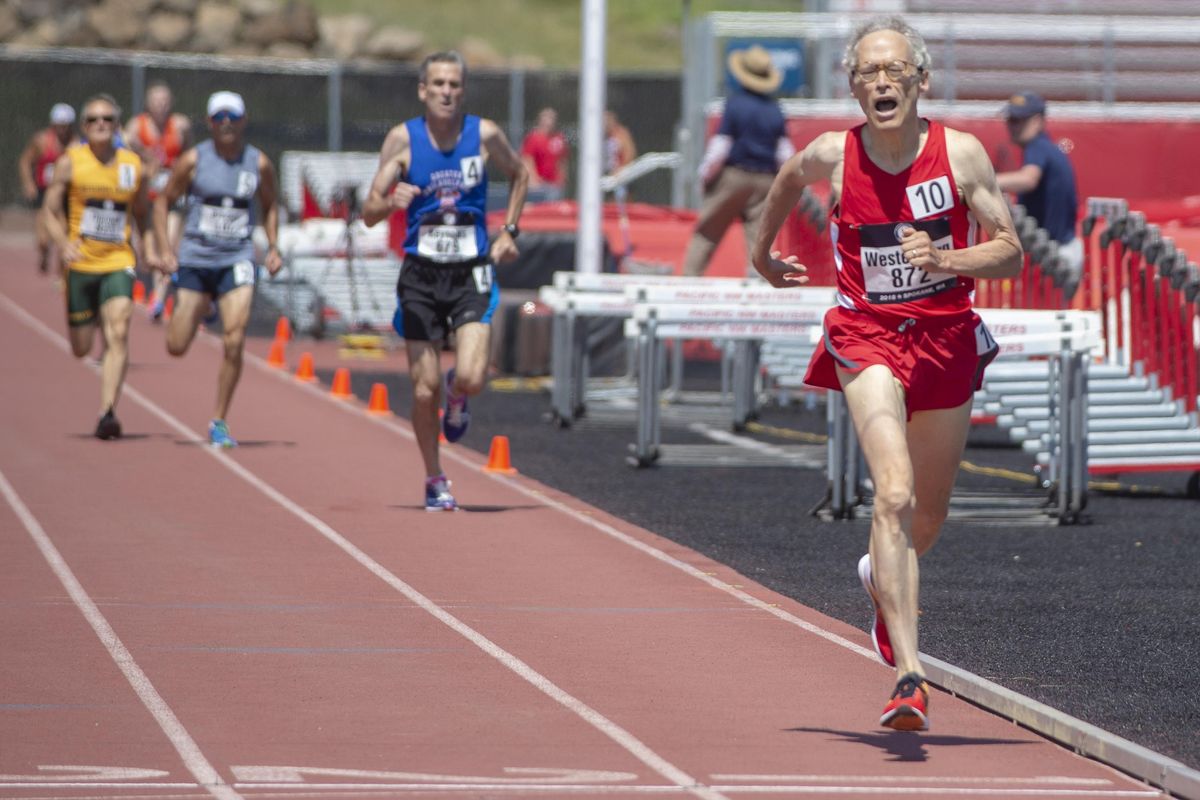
(741, 160)
(223, 179)
(1045, 182)
(35, 167)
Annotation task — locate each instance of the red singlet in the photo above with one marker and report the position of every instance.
(918, 324)
(872, 272)
(165, 145)
(51, 149)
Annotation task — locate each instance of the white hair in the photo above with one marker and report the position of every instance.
(888, 23)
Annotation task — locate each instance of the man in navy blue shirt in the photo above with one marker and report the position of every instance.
(740, 162)
(1045, 182)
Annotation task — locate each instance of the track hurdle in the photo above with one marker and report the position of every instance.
(1069, 340)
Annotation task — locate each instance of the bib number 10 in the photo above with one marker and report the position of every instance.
(930, 197)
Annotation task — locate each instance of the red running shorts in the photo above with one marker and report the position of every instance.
(938, 360)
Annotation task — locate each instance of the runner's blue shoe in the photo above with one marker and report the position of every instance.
(218, 434)
(437, 495)
(457, 417)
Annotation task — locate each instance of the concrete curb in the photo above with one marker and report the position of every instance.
(1088, 740)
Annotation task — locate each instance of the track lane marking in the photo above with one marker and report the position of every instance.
(193, 759)
(626, 740)
(397, 427)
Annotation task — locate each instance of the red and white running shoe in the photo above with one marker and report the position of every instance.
(908, 708)
(879, 631)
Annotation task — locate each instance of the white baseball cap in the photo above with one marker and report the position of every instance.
(61, 114)
(226, 101)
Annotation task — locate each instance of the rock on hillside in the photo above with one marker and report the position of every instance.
(280, 28)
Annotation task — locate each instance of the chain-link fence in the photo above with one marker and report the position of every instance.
(319, 104)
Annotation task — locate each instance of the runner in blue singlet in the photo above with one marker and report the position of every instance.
(433, 167)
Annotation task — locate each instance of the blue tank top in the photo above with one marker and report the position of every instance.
(220, 209)
(447, 221)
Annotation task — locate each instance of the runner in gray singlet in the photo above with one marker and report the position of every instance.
(221, 179)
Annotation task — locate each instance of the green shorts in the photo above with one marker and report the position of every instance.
(87, 291)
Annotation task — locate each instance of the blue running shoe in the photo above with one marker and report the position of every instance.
(437, 495)
(218, 434)
(457, 418)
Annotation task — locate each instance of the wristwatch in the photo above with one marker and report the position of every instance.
(511, 229)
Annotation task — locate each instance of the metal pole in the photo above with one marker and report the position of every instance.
(334, 114)
(591, 146)
(516, 105)
(1109, 84)
(137, 85)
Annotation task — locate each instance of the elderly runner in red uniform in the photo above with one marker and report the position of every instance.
(903, 343)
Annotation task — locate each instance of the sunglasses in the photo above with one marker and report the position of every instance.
(109, 118)
(226, 116)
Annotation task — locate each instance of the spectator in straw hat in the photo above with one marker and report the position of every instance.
(1045, 182)
(742, 158)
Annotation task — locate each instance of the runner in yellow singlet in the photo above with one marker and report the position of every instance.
(105, 189)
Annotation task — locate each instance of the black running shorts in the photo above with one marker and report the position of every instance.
(434, 299)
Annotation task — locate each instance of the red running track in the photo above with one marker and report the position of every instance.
(285, 621)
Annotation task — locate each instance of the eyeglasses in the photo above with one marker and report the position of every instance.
(226, 116)
(895, 70)
(109, 118)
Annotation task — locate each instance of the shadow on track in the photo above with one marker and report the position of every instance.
(903, 746)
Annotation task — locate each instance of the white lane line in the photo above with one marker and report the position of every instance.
(940, 791)
(474, 788)
(395, 426)
(138, 786)
(1036, 780)
(180, 739)
(612, 730)
(1111, 749)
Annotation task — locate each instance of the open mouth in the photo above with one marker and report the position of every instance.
(885, 104)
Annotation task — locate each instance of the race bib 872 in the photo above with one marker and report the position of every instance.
(888, 276)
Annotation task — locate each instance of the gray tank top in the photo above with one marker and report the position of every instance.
(220, 209)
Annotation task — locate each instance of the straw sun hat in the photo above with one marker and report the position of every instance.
(753, 69)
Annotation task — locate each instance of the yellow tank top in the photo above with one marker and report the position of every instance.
(100, 207)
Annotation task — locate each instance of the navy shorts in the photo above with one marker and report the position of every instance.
(434, 299)
(216, 281)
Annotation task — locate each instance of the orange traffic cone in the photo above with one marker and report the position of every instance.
(341, 384)
(275, 356)
(498, 457)
(441, 436)
(378, 403)
(139, 292)
(305, 371)
(283, 330)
